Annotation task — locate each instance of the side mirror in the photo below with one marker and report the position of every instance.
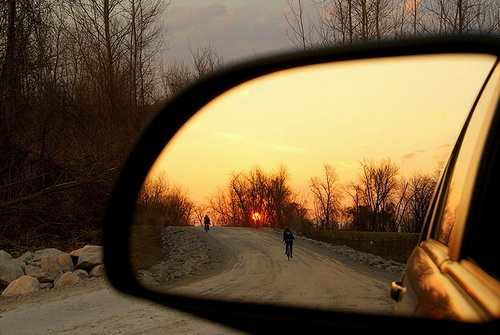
(292, 109)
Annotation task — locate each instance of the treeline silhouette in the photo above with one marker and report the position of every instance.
(378, 200)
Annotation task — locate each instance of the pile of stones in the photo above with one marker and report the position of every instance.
(48, 268)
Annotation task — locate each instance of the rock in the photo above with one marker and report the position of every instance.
(10, 269)
(76, 253)
(47, 264)
(394, 263)
(90, 257)
(48, 252)
(66, 262)
(374, 260)
(80, 273)
(67, 279)
(22, 285)
(35, 271)
(46, 285)
(98, 271)
(52, 267)
(24, 258)
(48, 268)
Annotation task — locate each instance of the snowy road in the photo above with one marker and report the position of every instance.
(258, 271)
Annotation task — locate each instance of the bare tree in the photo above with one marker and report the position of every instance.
(205, 59)
(355, 211)
(349, 21)
(342, 22)
(410, 19)
(200, 211)
(376, 188)
(421, 189)
(256, 191)
(327, 198)
(299, 35)
(146, 36)
(282, 205)
(462, 16)
(174, 78)
(222, 207)
(8, 74)
(178, 74)
(169, 203)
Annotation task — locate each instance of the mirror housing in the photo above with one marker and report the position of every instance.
(250, 317)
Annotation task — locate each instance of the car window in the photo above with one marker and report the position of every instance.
(455, 193)
(458, 193)
(480, 239)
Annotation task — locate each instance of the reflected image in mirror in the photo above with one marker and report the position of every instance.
(346, 155)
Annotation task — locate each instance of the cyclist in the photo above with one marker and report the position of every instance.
(206, 221)
(288, 240)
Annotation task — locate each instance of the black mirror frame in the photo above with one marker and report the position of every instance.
(257, 318)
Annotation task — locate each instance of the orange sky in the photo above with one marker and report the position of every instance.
(409, 109)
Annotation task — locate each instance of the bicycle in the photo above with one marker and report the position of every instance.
(207, 227)
(288, 250)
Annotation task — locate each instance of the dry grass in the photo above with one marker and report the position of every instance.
(145, 238)
(145, 246)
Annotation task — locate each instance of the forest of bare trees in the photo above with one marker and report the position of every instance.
(78, 79)
(325, 22)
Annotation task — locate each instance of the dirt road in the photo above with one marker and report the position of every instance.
(245, 264)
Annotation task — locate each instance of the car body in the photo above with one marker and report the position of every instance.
(454, 271)
(441, 287)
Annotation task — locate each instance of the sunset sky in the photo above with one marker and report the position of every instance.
(407, 109)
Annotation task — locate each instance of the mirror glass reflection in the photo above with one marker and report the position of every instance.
(335, 152)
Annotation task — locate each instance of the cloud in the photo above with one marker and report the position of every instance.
(411, 156)
(349, 164)
(236, 31)
(195, 17)
(439, 153)
(441, 115)
(442, 152)
(408, 157)
(254, 142)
